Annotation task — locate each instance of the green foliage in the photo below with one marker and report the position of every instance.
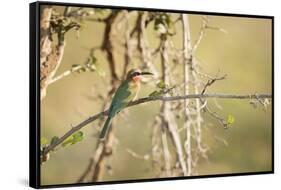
(76, 137)
(43, 141)
(163, 24)
(43, 145)
(74, 67)
(93, 59)
(161, 88)
(73, 139)
(161, 85)
(89, 66)
(230, 119)
(61, 24)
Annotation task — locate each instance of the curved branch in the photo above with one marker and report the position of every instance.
(150, 99)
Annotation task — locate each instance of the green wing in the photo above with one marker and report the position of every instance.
(122, 97)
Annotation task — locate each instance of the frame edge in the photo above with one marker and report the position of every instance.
(34, 164)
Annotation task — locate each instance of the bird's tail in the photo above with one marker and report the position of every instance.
(105, 128)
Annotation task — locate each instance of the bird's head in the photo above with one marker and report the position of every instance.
(135, 74)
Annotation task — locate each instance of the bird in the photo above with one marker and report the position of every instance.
(126, 93)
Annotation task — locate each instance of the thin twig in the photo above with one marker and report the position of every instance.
(211, 81)
(204, 25)
(74, 69)
(206, 108)
(145, 157)
(64, 74)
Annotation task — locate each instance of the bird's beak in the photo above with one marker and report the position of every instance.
(146, 73)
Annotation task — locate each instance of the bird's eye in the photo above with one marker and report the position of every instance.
(136, 73)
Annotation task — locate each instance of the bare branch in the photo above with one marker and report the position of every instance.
(164, 110)
(136, 155)
(127, 44)
(77, 68)
(204, 22)
(204, 27)
(51, 54)
(45, 47)
(96, 19)
(168, 119)
(206, 108)
(104, 148)
(107, 45)
(166, 153)
(150, 99)
(186, 72)
(211, 81)
(66, 11)
(217, 28)
(64, 74)
(143, 45)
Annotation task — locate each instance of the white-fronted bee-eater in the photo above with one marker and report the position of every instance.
(126, 92)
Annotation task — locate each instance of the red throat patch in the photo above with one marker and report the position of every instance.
(137, 78)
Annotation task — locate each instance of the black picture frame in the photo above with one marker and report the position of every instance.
(34, 98)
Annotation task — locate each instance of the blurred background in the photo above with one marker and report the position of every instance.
(243, 53)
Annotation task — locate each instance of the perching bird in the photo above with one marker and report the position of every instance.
(127, 92)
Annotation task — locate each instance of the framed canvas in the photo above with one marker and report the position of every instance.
(122, 94)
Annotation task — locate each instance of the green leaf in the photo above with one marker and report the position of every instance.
(93, 59)
(230, 119)
(168, 20)
(76, 137)
(156, 23)
(43, 141)
(82, 69)
(54, 140)
(161, 84)
(74, 66)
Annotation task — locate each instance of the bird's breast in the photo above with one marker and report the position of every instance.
(134, 89)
